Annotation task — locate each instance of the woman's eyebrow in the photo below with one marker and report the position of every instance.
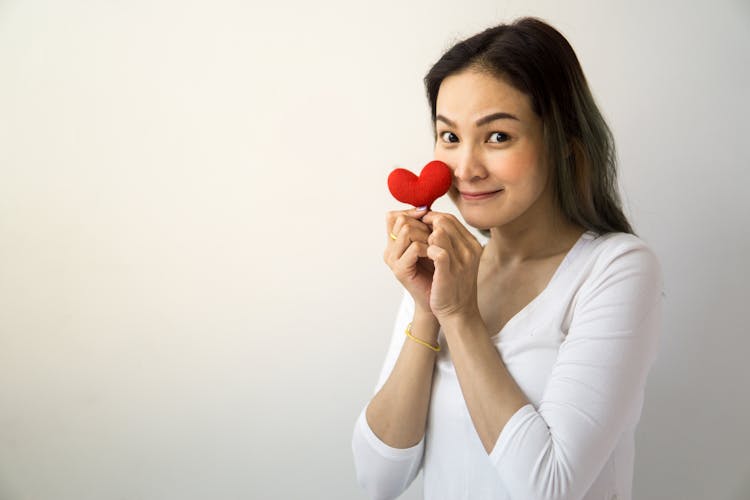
(484, 120)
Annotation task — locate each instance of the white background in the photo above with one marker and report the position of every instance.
(193, 302)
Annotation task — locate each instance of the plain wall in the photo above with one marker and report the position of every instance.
(193, 302)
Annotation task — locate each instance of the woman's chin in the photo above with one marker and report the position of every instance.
(478, 223)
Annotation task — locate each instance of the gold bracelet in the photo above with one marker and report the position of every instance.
(420, 341)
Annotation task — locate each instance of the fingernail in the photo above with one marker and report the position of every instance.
(421, 209)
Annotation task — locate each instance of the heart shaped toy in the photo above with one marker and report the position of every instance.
(433, 182)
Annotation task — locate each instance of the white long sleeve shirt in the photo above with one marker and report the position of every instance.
(581, 352)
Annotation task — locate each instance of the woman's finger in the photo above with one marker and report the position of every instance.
(461, 239)
(408, 259)
(440, 237)
(440, 257)
(404, 267)
(416, 229)
(446, 219)
(392, 218)
(396, 247)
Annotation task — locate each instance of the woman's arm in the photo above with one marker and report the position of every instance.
(388, 440)
(594, 392)
(397, 414)
(491, 394)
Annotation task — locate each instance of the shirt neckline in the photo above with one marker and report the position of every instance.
(586, 235)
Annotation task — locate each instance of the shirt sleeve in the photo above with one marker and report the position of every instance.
(596, 388)
(382, 471)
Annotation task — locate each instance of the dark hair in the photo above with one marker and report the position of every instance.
(536, 59)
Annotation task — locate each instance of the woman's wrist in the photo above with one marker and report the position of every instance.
(425, 326)
(465, 321)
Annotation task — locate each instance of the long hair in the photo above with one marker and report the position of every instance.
(536, 59)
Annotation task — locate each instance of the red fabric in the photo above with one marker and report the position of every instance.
(432, 183)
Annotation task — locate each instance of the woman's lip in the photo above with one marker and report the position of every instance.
(479, 196)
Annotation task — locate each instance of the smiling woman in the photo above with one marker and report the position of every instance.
(516, 369)
(498, 158)
(540, 72)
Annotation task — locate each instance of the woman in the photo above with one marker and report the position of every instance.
(516, 369)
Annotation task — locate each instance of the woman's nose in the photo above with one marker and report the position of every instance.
(469, 166)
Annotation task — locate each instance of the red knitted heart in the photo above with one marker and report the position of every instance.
(432, 183)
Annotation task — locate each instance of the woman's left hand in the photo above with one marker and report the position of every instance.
(455, 252)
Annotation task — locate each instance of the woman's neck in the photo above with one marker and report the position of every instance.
(515, 244)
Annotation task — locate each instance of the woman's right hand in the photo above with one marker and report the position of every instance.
(407, 254)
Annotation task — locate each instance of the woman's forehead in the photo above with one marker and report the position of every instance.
(470, 95)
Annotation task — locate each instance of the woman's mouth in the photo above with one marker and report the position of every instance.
(477, 196)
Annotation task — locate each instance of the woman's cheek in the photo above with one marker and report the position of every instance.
(516, 168)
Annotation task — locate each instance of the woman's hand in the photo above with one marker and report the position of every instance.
(455, 253)
(407, 254)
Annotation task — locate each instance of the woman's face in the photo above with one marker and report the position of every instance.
(491, 139)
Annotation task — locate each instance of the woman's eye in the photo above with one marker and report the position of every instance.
(446, 136)
(501, 136)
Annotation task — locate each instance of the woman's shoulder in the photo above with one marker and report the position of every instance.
(614, 244)
(618, 255)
